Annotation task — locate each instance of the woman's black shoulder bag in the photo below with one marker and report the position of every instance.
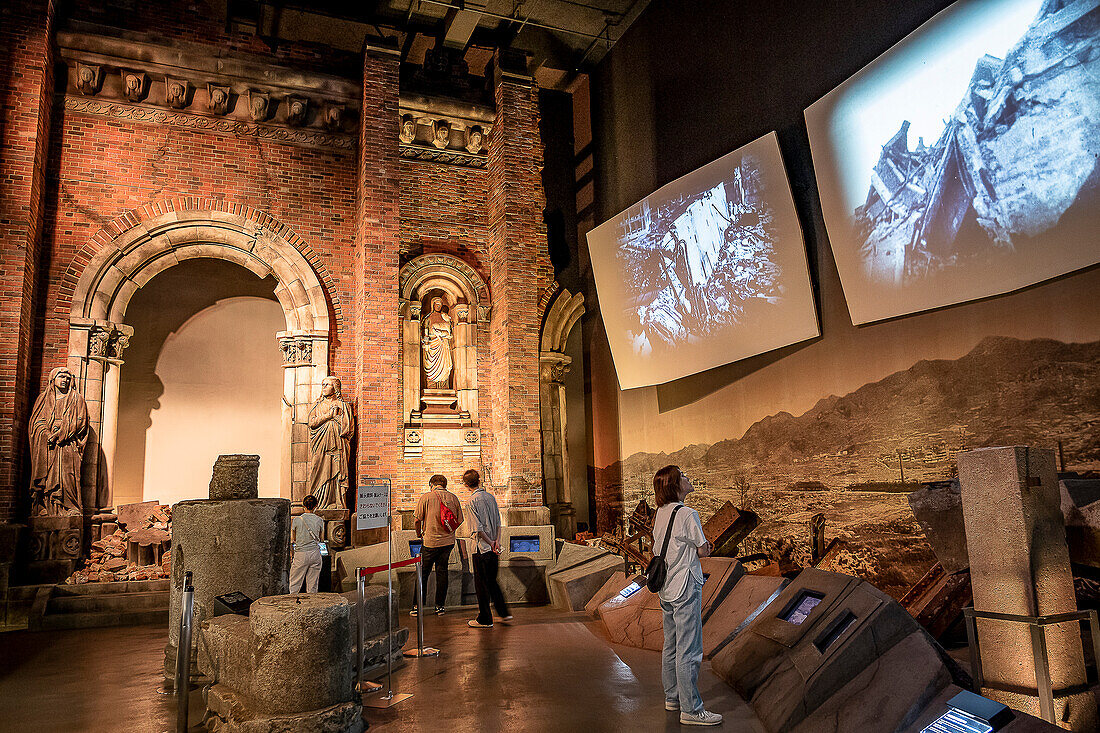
(657, 569)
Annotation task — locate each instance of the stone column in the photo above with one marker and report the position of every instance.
(1019, 564)
(26, 102)
(519, 270)
(555, 474)
(305, 364)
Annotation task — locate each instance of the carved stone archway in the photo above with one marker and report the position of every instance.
(564, 312)
(127, 253)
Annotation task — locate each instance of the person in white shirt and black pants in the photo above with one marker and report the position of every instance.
(681, 596)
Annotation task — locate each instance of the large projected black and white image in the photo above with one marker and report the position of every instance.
(963, 163)
(709, 269)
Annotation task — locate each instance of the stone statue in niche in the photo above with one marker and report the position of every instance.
(58, 434)
(331, 425)
(438, 334)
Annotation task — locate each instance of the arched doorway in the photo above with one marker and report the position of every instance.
(203, 377)
(133, 249)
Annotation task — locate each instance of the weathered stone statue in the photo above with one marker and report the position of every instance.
(331, 425)
(58, 434)
(437, 338)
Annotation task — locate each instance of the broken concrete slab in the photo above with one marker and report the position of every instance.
(938, 509)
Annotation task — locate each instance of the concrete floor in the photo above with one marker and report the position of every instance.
(547, 672)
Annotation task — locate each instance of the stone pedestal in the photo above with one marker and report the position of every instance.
(238, 545)
(289, 667)
(55, 547)
(336, 527)
(235, 477)
(1019, 564)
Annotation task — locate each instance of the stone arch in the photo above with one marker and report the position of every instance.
(132, 249)
(448, 273)
(561, 316)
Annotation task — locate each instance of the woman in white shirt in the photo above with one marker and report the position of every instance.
(681, 597)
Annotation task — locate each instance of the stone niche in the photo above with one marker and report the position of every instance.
(443, 304)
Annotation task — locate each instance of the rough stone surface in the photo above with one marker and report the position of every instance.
(131, 516)
(1019, 564)
(613, 585)
(572, 588)
(635, 621)
(299, 652)
(742, 600)
(235, 477)
(237, 545)
(1081, 509)
(938, 509)
(230, 712)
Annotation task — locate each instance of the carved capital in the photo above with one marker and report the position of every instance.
(297, 351)
(334, 117)
(441, 134)
(296, 110)
(259, 105)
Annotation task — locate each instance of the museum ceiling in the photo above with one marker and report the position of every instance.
(562, 37)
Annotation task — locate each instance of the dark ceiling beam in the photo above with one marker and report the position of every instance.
(458, 26)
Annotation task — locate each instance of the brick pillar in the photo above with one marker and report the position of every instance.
(377, 326)
(26, 93)
(519, 268)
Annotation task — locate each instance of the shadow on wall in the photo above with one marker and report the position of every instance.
(157, 312)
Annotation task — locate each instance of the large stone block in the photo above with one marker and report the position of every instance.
(636, 620)
(611, 586)
(938, 509)
(572, 587)
(235, 477)
(745, 598)
(236, 545)
(1019, 564)
(299, 652)
(1081, 510)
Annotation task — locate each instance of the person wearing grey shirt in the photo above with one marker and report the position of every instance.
(486, 516)
(306, 532)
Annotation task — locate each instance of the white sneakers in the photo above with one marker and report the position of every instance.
(703, 717)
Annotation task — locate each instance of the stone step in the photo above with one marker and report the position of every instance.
(99, 602)
(122, 586)
(57, 621)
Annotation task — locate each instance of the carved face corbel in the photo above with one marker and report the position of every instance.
(259, 105)
(334, 117)
(408, 129)
(175, 92)
(296, 108)
(441, 134)
(475, 139)
(134, 85)
(88, 78)
(218, 101)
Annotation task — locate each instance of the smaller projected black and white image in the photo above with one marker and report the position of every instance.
(706, 270)
(695, 262)
(965, 161)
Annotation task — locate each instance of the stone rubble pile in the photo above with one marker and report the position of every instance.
(115, 557)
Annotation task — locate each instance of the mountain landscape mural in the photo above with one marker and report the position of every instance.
(855, 457)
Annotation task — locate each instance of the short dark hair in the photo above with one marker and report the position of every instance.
(472, 478)
(666, 485)
(309, 502)
(438, 480)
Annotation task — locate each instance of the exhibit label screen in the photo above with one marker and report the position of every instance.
(963, 162)
(708, 269)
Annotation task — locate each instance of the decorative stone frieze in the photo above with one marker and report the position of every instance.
(149, 83)
(442, 131)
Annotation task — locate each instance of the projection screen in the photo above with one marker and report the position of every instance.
(709, 269)
(962, 163)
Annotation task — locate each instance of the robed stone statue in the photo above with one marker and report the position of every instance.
(437, 338)
(330, 429)
(58, 434)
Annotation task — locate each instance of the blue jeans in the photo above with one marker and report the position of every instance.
(683, 651)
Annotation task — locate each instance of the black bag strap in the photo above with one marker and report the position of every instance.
(668, 530)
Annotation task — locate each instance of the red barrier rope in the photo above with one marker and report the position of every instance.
(380, 568)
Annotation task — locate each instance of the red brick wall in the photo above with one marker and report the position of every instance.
(26, 86)
(519, 269)
(378, 348)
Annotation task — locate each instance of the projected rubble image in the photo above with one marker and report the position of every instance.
(1017, 156)
(699, 261)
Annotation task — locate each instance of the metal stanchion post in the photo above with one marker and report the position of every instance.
(183, 654)
(389, 698)
(365, 686)
(421, 650)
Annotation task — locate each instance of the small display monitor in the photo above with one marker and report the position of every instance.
(633, 588)
(800, 609)
(524, 543)
(415, 546)
(956, 721)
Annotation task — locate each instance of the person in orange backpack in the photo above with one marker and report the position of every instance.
(438, 515)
